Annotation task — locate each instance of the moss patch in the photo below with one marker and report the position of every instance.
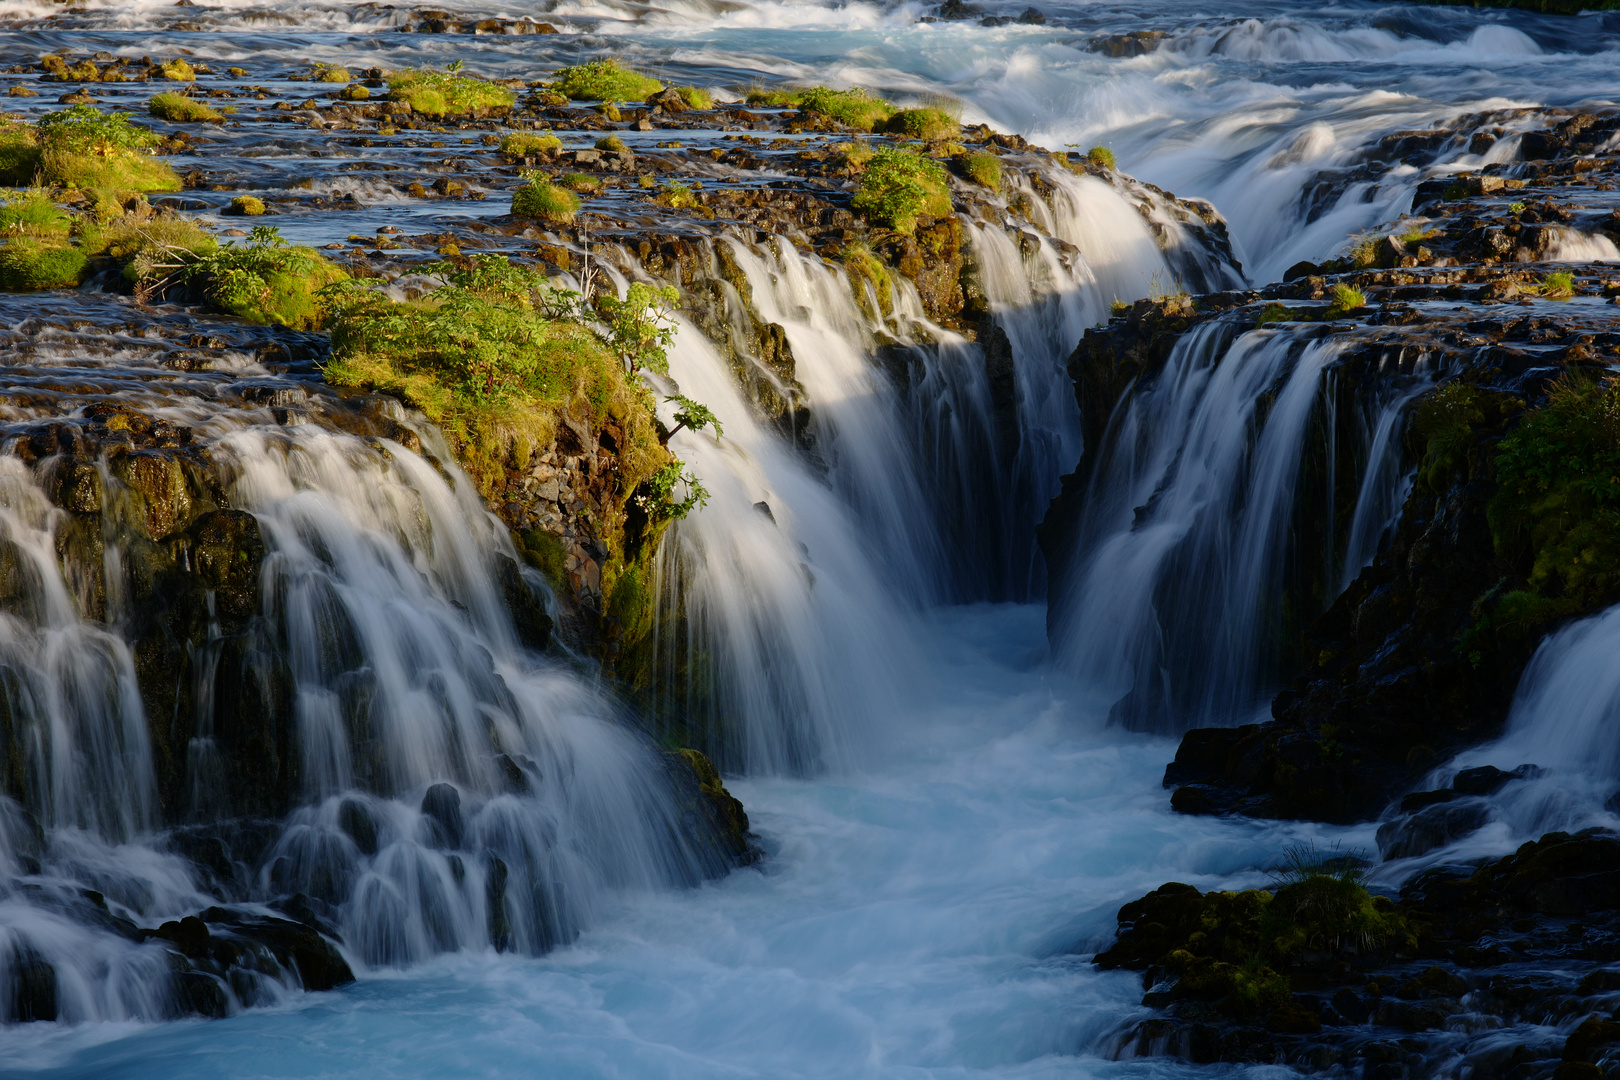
(983, 169)
(529, 144)
(181, 109)
(604, 80)
(40, 264)
(441, 93)
(539, 198)
(928, 124)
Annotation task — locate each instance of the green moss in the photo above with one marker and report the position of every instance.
(679, 195)
(1558, 494)
(857, 108)
(928, 124)
(266, 281)
(529, 144)
(29, 264)
(441, 93)
(867, 272)
(581, 182)
(332, 73)
(546, 554)
(181, 109)
(32, 213)
(542, 199)
(247, 206)
(604, 80)
(177, 70)
(901, 186)
(1101, 156)
(1442, 431)
(853, 156)
(19, 153)
(613, 144)
(494, 361)
(983, 168)
(1274, 313)
(695, 97)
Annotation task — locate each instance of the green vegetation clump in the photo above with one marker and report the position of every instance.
(1558, 493)
(333, 73)
(539, 198)
(529, 144)
(496, 358)
(19, 153)
(604, 80)
(32, 213)
(1442, 430)
(695, 97)
(1274, 313)
(177, 70)
(772, 99)
(679, 195)
(28, 264)
(857, 107)
(1344, 299)
(901, 186)
(869, 279)
(444, 93)
(266, 281)
(247, 206)
(151, 247)
(1101, 156)
(181, 109)
(613, 144)
(853, 156)
(928, 124)
(1558, 285)
(85, 148)
(983, 168)
(580, 182)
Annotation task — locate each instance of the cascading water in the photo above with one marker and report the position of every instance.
(1192, 563)
(449, 788)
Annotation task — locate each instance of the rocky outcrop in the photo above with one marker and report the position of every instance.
(1523, 943)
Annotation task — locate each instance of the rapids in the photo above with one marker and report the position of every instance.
(951, 820)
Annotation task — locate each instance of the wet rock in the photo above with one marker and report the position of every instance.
(717, 813)
(355, 819)
(158, 484)
(31, 996)
(441, 805)
(1431, 828)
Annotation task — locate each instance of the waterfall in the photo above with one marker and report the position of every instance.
(353, 665)
(1197, 555)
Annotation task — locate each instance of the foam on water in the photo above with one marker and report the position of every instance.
(916, 919)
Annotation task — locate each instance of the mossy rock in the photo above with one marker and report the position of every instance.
(157, 482)
(30, 265)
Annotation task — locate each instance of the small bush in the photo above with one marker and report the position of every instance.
(856, 108)
(544, 200)
(983, 168)
(30, 264)
(695, 98)
(930, 125)
(1101, 156)
(1558, 285)
(901, 186)
(441, 93)
(604, 80)
(529, 144)
(1345, 299)
(612, 144)
(180, 109)
(266, 281)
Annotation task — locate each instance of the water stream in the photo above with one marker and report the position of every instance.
(951, 812)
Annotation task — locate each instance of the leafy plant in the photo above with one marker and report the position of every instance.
(265, 281)
(1101, 156)
(693, 415)
(657, 497)
(641, 327)
(604, 80)
(901, 186)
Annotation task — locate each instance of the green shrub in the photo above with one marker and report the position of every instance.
(695, 97)
(613, 144)
(29, 264)
(1101, 156)
(604, 80)
(266, 281)
(856, 108)
(983, 168)
(1558, 285)
(901, 186)
(1558, 493)
(181, 109)
(442, 93)
(930, 125)
(529, 144)
(544, 200)
(1344, 299)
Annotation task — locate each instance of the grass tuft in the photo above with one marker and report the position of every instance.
(539, 198)
(983, 168)
(441, 93)
(1101, 156)
(604, 80)
(180, 109)
(1345, 299)
(930, 125)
